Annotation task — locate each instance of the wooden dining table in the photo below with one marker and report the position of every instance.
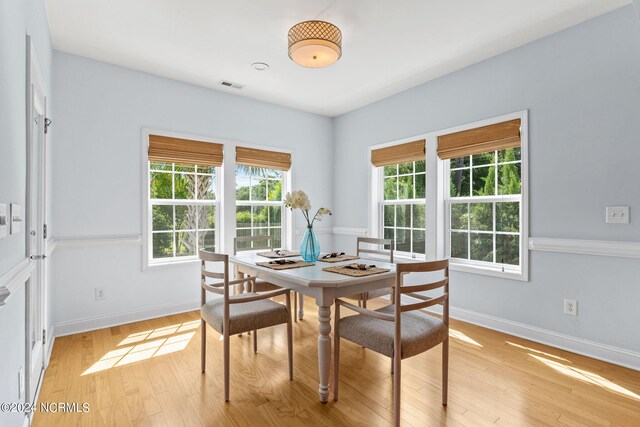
(324, 287)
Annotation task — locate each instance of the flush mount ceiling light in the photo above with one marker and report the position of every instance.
(315, 44)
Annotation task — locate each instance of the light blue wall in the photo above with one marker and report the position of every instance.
(101, 110)
(582, 89)
(17, 19)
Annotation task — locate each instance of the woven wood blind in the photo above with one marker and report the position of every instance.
(186, 151)
(401, 153)
(263, 158)
(498, 136)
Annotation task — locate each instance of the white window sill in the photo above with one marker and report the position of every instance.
(171, 263)
(488, 271)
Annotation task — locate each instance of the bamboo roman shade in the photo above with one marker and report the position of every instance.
(186, 151)
(498, 136)
(401, 153)
(263, 158)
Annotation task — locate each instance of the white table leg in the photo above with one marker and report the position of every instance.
(324, 351)
(300, 306)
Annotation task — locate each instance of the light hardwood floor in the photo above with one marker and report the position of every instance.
(148, 373)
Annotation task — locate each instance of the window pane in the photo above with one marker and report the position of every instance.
(459, 245)
(390, 170)
(243, 217)
(275, 215)
(420, 186)
(206, 217)
(484, 181)
(508, 216)
(418, 216)
(405, 187)
(481, 216)
(403, 216)
(159, 166)
(185, 185)
(390, 188)
(509, 179)
(162, 217)
(509, 155)
(258, 189)
(160, 186)
(484, 158)
(405, 168)
(403, 240)
(242, 187)
(276, 234)
(508, 249)
(420, 166)
(275, 190)
(389, 234)
(186, 243)
(460, 183)
(243, 232)
(388, 215)
(184, 168)
(459, 162)
(260, 218)
(481, 247)
(185, 217)
(206, 187)
(209, 170)
(418, 242)
(206, 240)
(459, 216)
(162, 245)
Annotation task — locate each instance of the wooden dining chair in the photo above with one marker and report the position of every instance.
(234, 314)
(387, 255)
(262, 285)
(400, 330)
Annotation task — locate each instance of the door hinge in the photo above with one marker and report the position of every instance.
(47, 123)
(44, 231)
(44, 336)
(37, 257)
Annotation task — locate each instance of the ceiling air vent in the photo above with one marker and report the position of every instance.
(227, 83)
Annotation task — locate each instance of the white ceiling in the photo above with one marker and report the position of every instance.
(388, 46)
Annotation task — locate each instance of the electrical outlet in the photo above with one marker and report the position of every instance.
(617, 215)
(571, 307)
(100, 294)
(21, 383)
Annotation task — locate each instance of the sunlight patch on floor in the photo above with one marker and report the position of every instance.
(537, 351)
(462, 337)
(146, 350)
(590, 377)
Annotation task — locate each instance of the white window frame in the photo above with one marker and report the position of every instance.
(147, 238)
(481, 267)
(285, 233)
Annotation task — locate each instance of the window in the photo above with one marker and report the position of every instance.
(401, 200)
(259, 205)
(182, 206)
(182, 202)
(484, 199)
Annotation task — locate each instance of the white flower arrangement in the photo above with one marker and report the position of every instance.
(300, 200)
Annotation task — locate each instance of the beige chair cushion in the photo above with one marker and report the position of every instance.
(420, 332)
(262, 286)
(246, 316)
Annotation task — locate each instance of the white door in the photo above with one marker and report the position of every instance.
(36, 239)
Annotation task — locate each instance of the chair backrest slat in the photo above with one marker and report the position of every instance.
(403, 269)
(424, 287)
(424, 304)
(211, 274)
(374, 241)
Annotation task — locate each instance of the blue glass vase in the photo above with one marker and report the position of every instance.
(310, 246)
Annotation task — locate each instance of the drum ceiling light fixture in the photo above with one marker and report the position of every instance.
(315, 44)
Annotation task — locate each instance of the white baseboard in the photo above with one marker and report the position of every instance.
(607, 353)
(99, 322)
(51, 340)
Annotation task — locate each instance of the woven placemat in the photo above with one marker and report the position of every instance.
(296, 264)
(338, 258)
(355, 272)
(281, 254)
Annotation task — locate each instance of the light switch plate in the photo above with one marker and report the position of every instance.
(617, 214)
(3, 220)
(16, 218)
